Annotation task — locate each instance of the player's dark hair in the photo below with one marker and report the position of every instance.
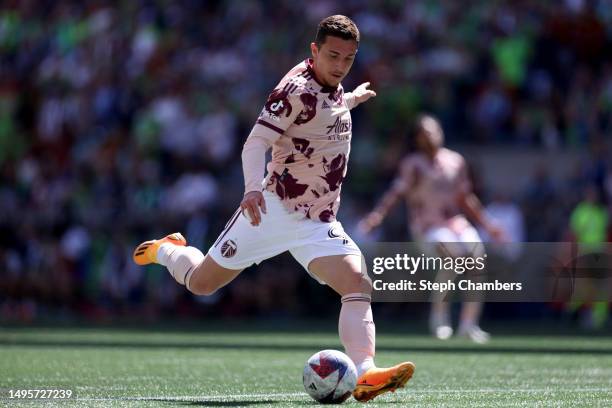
(337, 26)
(420, 122)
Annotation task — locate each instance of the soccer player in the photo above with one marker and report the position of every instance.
(434, 183)
(307, 123)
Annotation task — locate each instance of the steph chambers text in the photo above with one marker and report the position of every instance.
(447, 286)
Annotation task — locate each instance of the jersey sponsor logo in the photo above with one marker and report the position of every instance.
(277, 105)
(339, 138)
(325, 105)
(339, 126)
(228, 248)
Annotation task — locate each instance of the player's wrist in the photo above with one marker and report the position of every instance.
(490, 227)
(375, 218)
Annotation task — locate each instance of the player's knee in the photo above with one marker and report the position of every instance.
(366, 284)
(358, 283)
(202, 288)
(199, 285)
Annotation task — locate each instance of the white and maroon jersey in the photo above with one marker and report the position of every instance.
(309, 126)
(432, 188)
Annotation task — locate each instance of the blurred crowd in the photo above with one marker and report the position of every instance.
(123, 121)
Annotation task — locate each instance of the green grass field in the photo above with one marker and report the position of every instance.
(246, 365)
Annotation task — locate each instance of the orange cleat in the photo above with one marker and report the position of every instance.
(377, 381)
(146, 253)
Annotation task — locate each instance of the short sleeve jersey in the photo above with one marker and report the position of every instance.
(309, 125)
(432, 188)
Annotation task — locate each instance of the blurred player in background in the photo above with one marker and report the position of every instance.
(307, 122)
(588, 224)
(435, 185)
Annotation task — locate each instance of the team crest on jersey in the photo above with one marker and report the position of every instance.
(228, 248)
(277, 105)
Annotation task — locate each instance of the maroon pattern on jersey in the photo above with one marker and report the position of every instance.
(334, 171)
(304, 208)
(290, 159)
(310, 108)
(301, 145)
(309, 158)
(287, 186)
(327, 215)
(336, 95)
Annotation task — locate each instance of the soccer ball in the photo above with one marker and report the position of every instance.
(330, 377)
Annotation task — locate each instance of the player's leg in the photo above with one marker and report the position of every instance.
(469, 323)
(239, 245)
(186, 264)
(347, 275)
(333, 258)
(209, 277)
(440, 241)
(344, 274)
(469, 320)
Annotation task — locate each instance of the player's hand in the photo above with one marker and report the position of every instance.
(362, 94)
(497, 234)
(371, 221)
(251, 203)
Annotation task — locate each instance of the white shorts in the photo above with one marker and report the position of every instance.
(459, 238)
(241, 244)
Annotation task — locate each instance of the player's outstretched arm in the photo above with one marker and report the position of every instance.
(402, 183)
(362, 93)
(378, 214)
(473, 209)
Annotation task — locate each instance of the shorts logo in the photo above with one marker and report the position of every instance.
(228, 248)
(333, 233)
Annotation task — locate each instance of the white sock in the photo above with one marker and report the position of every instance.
(440, 315)
(180, 260)
(470, 315)
(357, 330)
